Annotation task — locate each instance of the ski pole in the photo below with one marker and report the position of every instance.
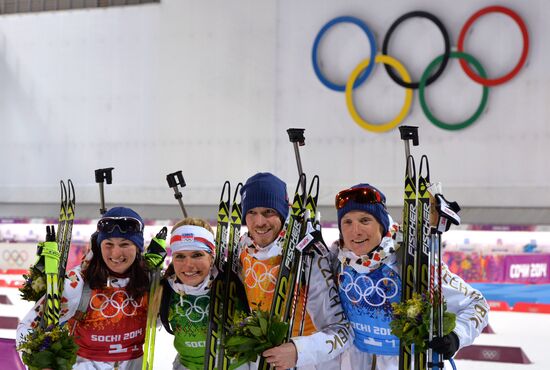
(447, 214)
(155, 292)
(175, 179)
(101, 175)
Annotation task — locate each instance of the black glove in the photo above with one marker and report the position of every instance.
(446, 345)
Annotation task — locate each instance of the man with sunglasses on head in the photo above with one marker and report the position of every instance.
(105, 298)
(368, 270)
(265, 208)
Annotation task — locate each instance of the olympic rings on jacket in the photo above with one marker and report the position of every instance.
(17, 257)
(192, 311)
(392, 66)
(118, 302)
(265, 280)
(362, 288)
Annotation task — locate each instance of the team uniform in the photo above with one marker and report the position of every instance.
(187, 319)
(111, 332)
(369, 284)
(326, 331)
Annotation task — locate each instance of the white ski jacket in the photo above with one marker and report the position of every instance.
(467, 303)
(72, 292)
(321, 350)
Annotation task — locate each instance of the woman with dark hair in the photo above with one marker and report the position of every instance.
(104, 300)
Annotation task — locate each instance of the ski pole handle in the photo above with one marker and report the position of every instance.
(175, 179)
(101, 175)
(296, 137)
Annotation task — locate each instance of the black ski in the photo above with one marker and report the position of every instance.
(423, 244)
(215, 327)
(233, 288)
(408, 251)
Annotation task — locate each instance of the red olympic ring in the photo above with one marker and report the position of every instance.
(522, 59)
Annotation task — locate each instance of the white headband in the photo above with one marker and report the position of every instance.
(192, 238)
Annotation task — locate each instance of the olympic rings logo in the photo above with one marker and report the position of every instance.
(363, 289)
(15, 257)
(260, 275)
(118, 302)
(431, 73)
(192, 311)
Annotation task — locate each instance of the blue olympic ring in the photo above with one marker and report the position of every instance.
(364, 74)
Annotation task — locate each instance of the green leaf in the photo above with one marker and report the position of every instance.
(237, 340)
(449, 322)
(263, 325)
(255, 330)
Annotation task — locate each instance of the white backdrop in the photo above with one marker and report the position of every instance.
(210, 88)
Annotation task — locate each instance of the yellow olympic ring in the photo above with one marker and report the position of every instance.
(408, 94)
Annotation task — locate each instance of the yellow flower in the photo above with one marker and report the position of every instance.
(38, 284)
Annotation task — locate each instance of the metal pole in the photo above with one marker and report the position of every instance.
(103, 175)
(175, 179)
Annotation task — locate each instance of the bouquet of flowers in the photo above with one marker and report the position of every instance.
(35, 285)
(52, 347)
(411, 321)
(250, 335)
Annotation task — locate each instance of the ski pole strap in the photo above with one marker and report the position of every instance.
(51, 257)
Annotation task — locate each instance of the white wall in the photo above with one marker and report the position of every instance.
(210, 87)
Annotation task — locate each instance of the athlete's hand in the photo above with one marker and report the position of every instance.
(282, 357)
(446, 345)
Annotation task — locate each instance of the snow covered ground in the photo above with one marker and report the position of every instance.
(526, 330)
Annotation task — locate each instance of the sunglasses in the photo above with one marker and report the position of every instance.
(359, 195)
(124, 224)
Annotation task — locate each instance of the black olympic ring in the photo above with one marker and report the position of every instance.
(446, 53)
(15, 257)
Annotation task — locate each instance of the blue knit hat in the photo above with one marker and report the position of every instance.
(265, 190)
(378, 210)
(135, 237)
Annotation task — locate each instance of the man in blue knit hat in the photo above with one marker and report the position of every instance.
(265, 209)
(369, 268)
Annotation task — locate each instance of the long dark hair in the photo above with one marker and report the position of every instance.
(97, 272)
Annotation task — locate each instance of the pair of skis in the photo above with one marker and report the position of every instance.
(421, 269)
(295, 268)
(54, 254)
(227, 290)
(416, 238)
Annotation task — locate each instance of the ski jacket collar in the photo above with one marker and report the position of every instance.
(267, 252)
